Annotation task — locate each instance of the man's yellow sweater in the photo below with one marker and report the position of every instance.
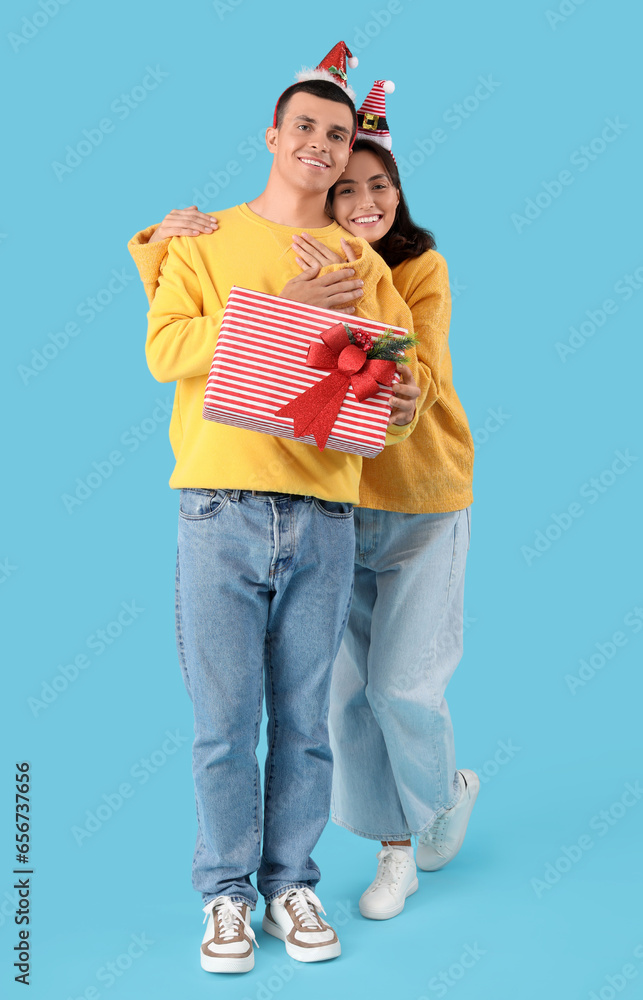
(183, 326)
(432, 471)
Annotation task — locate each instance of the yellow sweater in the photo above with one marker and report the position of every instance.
(183, 325)
(432, 472)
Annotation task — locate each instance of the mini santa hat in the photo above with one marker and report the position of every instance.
(332, 68)
(371, 117)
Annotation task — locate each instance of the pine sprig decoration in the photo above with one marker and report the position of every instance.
(387, 347)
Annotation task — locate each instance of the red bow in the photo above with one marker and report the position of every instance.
(315, 410)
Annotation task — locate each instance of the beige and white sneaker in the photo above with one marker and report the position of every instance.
(294, 917)
(228, 938)
(443, 840)
(395, 880)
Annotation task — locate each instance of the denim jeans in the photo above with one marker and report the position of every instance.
(263, 585)
(390, 727)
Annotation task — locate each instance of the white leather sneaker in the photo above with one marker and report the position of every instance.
(443, 840)
(294, 917)
(227, 942)
(395, 880)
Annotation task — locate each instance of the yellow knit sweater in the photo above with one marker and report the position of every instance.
(432, 471)
(183, 326)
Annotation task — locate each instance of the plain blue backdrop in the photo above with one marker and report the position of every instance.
(544, 898)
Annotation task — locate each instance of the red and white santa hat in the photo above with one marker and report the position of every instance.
(371, 117)
(332, 68)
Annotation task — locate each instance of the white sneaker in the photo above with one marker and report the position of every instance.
(227, 942)
(443, 840)
(294, 917)
(395, 880)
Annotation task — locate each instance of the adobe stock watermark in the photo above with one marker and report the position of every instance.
(122, 107)
(562, 13)
(592, 491)
(218, 180)
(454, 116)
(447, 978)
(416, 668)
(616, 982)
(283, 972)
(33, 25)
(97, 643)
(455, 288)
(7, 569)
(102, 470)
(140, 771)
(87, 310)
(496, 418)
(600, 824)
(503, 755)
(112, 971)
(596, 319)
(580, 159)
(605, 652)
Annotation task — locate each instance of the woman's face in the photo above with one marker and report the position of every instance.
(365, 199)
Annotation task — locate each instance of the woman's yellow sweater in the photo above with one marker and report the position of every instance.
(432, 470)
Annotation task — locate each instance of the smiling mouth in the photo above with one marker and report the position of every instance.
(367, 220)
(310, 162)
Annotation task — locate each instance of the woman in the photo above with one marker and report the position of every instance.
(391, 733)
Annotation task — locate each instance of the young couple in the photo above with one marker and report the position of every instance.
(271, 551)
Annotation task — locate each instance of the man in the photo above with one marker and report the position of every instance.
(266, 545)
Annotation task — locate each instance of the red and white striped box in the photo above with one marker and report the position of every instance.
(259, 365)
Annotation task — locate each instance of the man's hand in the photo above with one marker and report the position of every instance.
(403, 399)
(331, 291)
(184, 222)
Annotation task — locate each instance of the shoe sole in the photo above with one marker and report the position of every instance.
(213, 964)
(321, 954)
(473, 784)
(393, 912)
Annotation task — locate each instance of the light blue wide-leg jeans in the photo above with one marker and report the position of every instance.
(391, 732)
(260, 577)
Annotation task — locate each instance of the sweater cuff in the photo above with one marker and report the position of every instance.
(147, 256)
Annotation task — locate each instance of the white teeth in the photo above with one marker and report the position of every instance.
(369, 218)
(314, 163)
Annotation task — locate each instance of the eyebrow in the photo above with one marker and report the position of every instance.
(375, 177)
(313, 121)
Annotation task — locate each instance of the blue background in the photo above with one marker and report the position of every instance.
(532, 616)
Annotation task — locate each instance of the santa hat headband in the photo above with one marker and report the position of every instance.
(371, 117)
(332, 68)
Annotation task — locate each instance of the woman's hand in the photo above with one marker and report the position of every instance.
(403, 399)
(184, 222)
(309, 252)
(332, 291)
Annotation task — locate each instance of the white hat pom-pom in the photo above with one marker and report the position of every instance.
(388, 87)
(353, 62)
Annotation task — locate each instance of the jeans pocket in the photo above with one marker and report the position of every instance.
(198, 505)
(332, 508)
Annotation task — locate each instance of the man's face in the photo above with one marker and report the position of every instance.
(312, 146)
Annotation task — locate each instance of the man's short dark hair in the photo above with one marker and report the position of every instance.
(318, 88)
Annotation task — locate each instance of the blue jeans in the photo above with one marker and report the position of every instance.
(391, 731)
(263, 584)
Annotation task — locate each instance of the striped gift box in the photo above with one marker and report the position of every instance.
(259, 365)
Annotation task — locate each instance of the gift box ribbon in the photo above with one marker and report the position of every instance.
(315, 410)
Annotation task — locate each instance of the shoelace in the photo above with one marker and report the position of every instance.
(228, 916)
(388, 869)
(306, 907)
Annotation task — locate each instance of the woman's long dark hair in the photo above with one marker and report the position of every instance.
(404, 239)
